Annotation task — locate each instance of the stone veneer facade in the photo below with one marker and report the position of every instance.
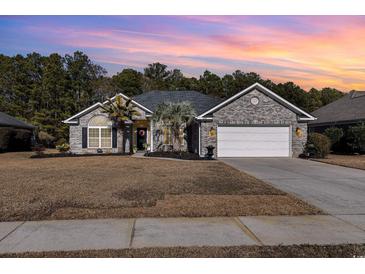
(242, 112)
(83, 121)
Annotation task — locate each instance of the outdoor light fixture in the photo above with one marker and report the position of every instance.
(212, 132)
(299, 132)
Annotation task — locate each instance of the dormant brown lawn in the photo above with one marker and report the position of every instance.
(121, 186)
(354, 161)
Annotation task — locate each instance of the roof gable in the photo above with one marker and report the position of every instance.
(73, 119)
(305, 116)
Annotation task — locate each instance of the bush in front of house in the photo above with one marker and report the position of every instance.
(182, 155)
(63, 147)
(356, 138)
(318, 145)
(334, 134)
(46, 139)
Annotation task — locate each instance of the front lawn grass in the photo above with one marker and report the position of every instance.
(292, 251)
(353, 161)
(116, 187)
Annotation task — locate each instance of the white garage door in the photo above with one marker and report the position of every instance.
(253, 141)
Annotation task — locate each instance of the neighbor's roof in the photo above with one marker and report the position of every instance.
(349, 108)
(199, 101)
(9, 121)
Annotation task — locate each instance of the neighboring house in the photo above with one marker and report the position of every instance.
(344, 112)
(15, 135)
(255, 122)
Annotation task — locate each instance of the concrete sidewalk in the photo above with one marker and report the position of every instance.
(67, 235)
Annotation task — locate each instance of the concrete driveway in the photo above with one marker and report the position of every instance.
(336, 190)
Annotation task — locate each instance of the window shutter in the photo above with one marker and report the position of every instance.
(114, 137)
(84, 137)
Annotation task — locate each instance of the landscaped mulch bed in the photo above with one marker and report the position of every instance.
(60, 155)
(354, 161)
(105, 187)
(183, 155)
(293, 251)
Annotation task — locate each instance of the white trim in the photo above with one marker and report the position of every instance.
(310, 117)
(199, 145)
(203, 118)
(307, 119)
(291, 141)
(100, 127)
(151, 135)
(67, 121)
(133, 102)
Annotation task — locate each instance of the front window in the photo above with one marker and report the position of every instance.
(100, 132)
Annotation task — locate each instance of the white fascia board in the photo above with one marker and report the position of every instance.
(69, 120)
(203, 118)
(310, 117)
(134, 102)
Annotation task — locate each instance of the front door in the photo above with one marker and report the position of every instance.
(141, 138)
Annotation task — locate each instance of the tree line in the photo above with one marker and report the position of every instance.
(45, 90)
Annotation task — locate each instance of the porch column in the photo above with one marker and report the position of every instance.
(151, 134)
(127, 137)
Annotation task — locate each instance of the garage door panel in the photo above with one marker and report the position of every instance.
(253, 141)
(252, 138)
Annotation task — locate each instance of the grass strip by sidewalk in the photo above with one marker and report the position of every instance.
(292, 251)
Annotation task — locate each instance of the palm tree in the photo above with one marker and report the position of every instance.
(174, 116)
(121, 113)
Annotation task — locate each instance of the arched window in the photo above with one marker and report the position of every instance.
(100, 132)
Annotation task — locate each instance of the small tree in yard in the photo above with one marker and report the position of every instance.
(318, 145)
(175, 116)
(356, 138)
(334, 134)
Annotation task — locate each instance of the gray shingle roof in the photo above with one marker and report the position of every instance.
(9, 121)
(199, 101)
(350, 107)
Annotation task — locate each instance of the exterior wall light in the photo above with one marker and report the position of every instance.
(299, 132)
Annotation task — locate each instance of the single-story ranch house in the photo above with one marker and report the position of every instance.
(344, 112)
(255, 122)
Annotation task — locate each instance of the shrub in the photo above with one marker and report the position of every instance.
(356, 138)
(318, 145)
(61, 141)
(45, 138)
(334, 134)
(63, 147)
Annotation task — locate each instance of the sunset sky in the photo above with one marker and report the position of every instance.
(312, 51)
